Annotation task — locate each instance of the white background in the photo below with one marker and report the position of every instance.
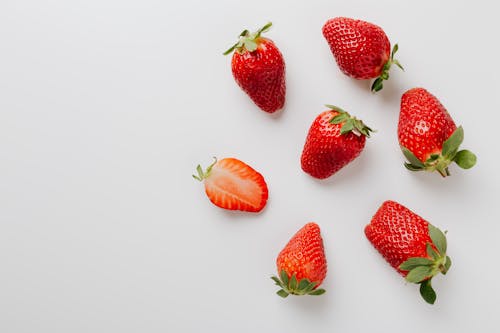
(106, 108)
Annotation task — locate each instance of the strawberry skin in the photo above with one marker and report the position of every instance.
(411, 245)
(259, 69)
(398, 234)
(231, 184)
(428, 135)
(361, 49)
(302, 263)
(424, 123)
(334, 140)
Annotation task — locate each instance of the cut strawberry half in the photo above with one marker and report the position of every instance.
(234, 185)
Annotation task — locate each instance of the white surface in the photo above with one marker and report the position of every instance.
(107, 106)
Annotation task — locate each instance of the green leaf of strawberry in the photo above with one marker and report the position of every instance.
(422, 270)
(465, 159)
(317, 292)
(378, 84)
(453, 142)
(432, 158)
(284, 277)
(428, 294)
(336, 108)
(431, 252)
(414, 161)
(419, 274)
(276, 280)
(293, 283)
(348, 127)
(447, 265)
(247, 40)
(309, 287)
(303, 284)
(295, 287)
(411, 167)
(412, 263)
(438, 238)
(340, 118)
(350, 123)
(265, 28)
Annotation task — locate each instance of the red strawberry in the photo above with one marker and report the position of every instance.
(234, 185)
(302, 263)
(414, 247)
(259, 69)
(334, 139)
(428, 136)
(361, 49)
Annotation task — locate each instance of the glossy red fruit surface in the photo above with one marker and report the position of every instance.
(302, 263)
(361, 49)
(261, 74)
(259, 69)
(410, 244)
(398, 234)
(428, 135)
(330, 144)
(424, 123)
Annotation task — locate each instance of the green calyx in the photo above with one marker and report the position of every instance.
(440, 162)
(290, 286)
(378, 84)
(204, 174)
(349, 123)
(421, 270)
(248, 41)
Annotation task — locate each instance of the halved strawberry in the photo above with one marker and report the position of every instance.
(232, 184)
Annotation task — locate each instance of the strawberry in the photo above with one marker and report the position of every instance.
(302, 263)
(361, 49)
(232, 184)
(428, 136)
(259, 69)
(334, 139)
(410, 244)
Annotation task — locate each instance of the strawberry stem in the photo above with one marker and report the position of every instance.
(378, 84)
(421, 270)
(248, 41)
(443, 172)
(291, 286)
(440, 161)
(204, 174)
(349, 123)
